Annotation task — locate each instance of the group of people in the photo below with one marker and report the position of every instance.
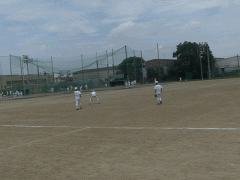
(17, 94)
(129, 84)
(78, 96)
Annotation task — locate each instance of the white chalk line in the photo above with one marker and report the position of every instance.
(44, 139)
(167, 128)
(38, 126)
(125, 128)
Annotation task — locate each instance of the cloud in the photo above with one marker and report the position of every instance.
(69, 28)
(121, 28)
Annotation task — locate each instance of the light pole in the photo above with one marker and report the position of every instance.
(209, 73)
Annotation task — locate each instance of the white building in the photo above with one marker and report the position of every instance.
(227, 64)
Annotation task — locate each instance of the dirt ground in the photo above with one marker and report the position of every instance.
(194, 134)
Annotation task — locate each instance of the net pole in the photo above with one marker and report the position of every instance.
(142, 67)
(113, 61)
(107, 68)
(127, 63)
(38, 71)
(135, 65)
(82, 67)
(52, 70)
(238, 64)
(22, 72)
(159, 73)
(209, 73)
(1, 76)
(27, 69)
(97, 68)
(11, 71)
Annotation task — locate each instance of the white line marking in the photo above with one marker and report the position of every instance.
(44, 139)
(129, 128)
(38, 126)
(167, 128)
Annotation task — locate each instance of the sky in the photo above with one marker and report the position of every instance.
(67, 28)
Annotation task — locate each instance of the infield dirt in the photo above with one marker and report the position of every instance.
(194, 134)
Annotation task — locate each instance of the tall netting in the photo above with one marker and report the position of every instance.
(60, 73)
(66, 66)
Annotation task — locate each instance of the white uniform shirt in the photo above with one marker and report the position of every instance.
(77, 94)
(93, 93)
(158, 89)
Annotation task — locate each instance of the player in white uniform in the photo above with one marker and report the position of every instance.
(94, 94)
(78, 98)
(158, 92)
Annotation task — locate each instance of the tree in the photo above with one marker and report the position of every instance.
(133, 66)
(188, 60)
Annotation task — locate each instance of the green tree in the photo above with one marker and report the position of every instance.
(133, 66)
(188, 60)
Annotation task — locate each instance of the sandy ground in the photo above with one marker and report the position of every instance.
(194, 134)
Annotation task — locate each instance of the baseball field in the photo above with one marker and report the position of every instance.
(194, 134)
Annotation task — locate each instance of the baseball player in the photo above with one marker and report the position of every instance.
(94, 94)
(158, 92)
(78, 98)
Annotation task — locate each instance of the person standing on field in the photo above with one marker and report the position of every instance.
(78, 98)
(94, 94)
(158, 92)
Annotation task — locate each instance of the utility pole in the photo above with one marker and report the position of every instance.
(97, 68)
(113, 61)
(1, 75)
(11, 71)
(238, 64)
(108, 69)
(135, 66)
(209, 73)
(52, 69)
(127, 63)
(22, 72)
(82, 67)
(159, 73)
(142, 67)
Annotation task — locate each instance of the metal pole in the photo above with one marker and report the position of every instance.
(159, 74)
(113, 61)
(209, 73)
(11, 71)
(52, 69)
(1, 75)
(22, 72)
(238, 64)
(142, 67)
(108, 69)
(127, 63)
(97, 68)
(27, 69)
(82, 67)
(135, 66)
(38, 71)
